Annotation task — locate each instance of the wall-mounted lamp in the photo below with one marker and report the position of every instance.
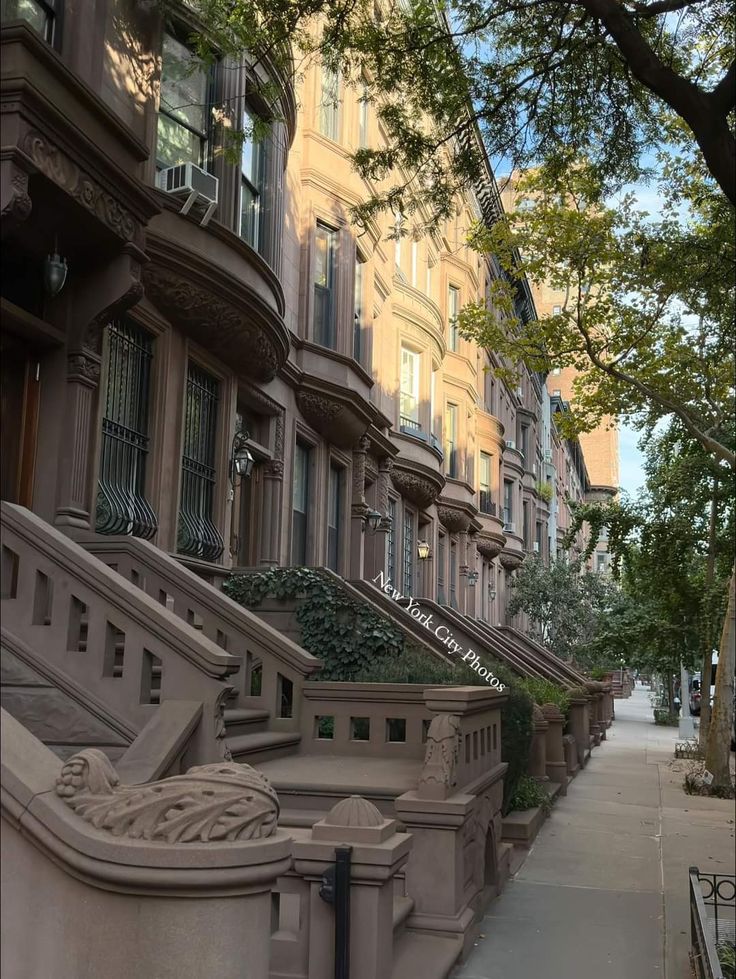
(472, 578)
(372, 520)
(241, 460)
(491, 592)
(423, 550)
(55, 271)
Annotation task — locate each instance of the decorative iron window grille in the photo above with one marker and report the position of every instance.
(197, 534)
(122, 507)
(391, 543)
(408, 552)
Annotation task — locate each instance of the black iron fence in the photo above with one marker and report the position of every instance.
(712, 916)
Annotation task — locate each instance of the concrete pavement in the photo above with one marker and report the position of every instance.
(604, 890)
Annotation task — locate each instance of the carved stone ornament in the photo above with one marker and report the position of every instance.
(415, 488)
(456, 521)
(221, 703)
(274, 469)
(438, 776)
(218, 325)
(488, 547)
(55, 165)
(319, 410)
(84, 366)
(18, 205)
(510, 561)
(211, 803)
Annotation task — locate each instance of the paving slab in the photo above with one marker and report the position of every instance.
(604, 889)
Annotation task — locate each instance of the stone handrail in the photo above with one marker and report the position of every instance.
(217, 617)
(127, 650)
(183, 866)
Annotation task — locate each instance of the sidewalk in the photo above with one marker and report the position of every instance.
(604, 890)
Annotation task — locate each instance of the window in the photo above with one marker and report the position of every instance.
(42, 15)
(251, 183)
(414, 262)
(334, 516)
(441, 569)
(391, 542)
(556, 310)
(409, 396)
(429, 280)
(556, 371)
(508, 502)
(300, 504)
(525, 443)
(358, 352)
(184, 106)
(197, 534)
(526, 526)
(408, 556)
(329, 105)
(122, 507)
(451, 441)
(600, 562)
(363, 116)
(489, 390)
(486, 506)
(324, 286)
(453, 309)
(538, 538)
(453, 574)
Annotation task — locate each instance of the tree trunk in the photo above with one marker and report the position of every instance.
(706, 670)
(718, 751)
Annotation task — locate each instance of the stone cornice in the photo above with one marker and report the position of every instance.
(416, 482)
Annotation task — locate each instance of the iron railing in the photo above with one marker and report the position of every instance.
(712, 910)
(122, 507)
(197, 533)
(409, 426)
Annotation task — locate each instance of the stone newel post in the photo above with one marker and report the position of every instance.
(538, 752)
(556, 764)
(580, 723)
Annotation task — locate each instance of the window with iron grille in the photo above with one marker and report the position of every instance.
(183, 116)
(197, 533)
(44, 16)
(300, 504)
(324, 286)
(122, 507)
(391, 543)
(408, 556)
(334, 516)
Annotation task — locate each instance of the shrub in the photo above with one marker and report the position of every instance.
(727, 958)
(599, 672)
(529, 794)
(516, 740)
(415, 665)
(545, 692)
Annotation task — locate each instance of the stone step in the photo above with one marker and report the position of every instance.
(241, 720)
(402, 909)
(263, 745)
(423, 955)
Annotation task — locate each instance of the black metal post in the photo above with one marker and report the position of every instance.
(342, 911)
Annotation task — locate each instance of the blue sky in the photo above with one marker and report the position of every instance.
(631, 477)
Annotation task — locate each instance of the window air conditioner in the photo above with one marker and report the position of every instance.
(535, 547)
(548, 455)
(520, 393)
(509, 528)
(190, 181)
(534, 469)
(510, 444)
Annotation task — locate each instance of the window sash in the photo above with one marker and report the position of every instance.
(300, 504)
(453, 309)
(409, 406)
(334, 516)
(329, 106)
(184, 105)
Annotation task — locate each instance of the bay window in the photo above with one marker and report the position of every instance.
(325, 276)
(184, 106)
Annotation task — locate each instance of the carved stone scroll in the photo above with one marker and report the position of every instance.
(438, 778)
(211, 803)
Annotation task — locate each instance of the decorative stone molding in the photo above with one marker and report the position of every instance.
(83, 366)
(439, 773)
(354, 811)
(220, 727)
(488, 547)
(510, 562)
(455, 521)
(354, 820)
(274, 469)
(210, 803)
(231, 330)
(418, 489)
(55, 165)
(17, 204)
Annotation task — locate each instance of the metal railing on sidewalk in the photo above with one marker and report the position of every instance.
(712, 922)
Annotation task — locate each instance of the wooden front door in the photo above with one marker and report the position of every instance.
(19, 404)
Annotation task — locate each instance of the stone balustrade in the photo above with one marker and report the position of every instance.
(555, 763)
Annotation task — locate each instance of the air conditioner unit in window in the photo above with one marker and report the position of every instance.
(190, 181)
(548, 455)
(509, 528)
(534, 469)
(520, 393)
(535, 547)
(510, 444)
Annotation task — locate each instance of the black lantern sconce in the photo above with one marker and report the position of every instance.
(491, 592)
(372, 520)
(472, 578)
(241, 459)
(55, 272)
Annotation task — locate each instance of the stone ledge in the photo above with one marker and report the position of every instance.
(521, 828)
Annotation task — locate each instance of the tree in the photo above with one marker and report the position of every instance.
(594, 76)
(563, 602)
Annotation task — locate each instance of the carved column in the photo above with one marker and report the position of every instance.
(73, 503)
(537, 766)
(376, 544)
(273, 493)
(462, 547)
(384, 480)
(579, 723)
(358, 510)
(556, 764)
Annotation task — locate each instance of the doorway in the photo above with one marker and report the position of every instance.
(19, 408)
